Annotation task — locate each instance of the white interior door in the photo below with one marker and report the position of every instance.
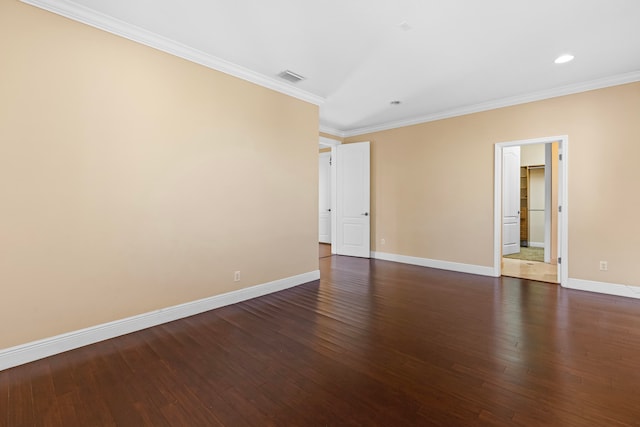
(352, 202)
(510, 200)
(324, 192)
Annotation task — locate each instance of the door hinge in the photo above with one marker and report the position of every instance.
(560, 156)
(559, 208)
(559, 260)
(330, 161)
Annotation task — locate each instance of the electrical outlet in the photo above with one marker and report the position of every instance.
(383, 242)
(604, 266)
(236, 276)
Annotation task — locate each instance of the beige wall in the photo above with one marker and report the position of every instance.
(532, 155)
(432, 184)
(131, 180)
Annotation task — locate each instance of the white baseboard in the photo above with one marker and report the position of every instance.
(40, 349)
(432, 263)
(604, 288)
(579, 284)
(536, 244)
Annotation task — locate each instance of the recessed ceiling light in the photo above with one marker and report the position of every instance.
(404, 25)
(395, 103)
(563, 59)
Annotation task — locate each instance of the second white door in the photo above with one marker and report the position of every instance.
(352, 205)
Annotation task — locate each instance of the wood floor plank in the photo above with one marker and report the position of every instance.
(5, 397)
(372, 343)
(44, 401)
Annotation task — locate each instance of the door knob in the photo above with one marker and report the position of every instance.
(366, 214)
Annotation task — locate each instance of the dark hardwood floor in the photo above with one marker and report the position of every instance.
(372, 343)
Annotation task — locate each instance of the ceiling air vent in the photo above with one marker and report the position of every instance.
(290, 76)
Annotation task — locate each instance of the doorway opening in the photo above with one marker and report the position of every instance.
(344, 197)
(530, 209)
(326, 189)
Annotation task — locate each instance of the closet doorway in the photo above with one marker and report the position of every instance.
(529, 195)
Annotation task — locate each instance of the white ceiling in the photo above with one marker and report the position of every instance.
(458, 56)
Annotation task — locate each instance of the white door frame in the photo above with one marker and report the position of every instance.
(563, 239)
(548, 163)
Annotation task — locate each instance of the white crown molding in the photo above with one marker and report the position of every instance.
(604, 288)
(332, 131)
(432, 263)
(328, 142)
(40, 349)
(101, 21)
(504, 102)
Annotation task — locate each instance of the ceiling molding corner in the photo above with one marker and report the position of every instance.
(601, 83)
(120, 28)
(332, 131)
(328, 142)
